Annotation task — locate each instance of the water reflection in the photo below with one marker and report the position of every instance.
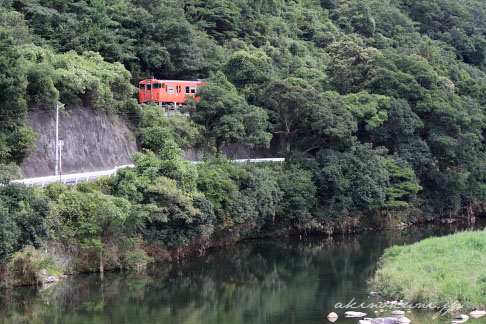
(261, 281)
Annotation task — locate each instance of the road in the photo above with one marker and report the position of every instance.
(86, 176)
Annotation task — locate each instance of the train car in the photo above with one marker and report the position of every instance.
(167, 92)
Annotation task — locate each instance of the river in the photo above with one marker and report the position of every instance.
(285, 280)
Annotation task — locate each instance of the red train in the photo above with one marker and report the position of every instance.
(167, 92)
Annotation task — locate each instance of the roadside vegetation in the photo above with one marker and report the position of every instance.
(378, 108)
(445, 271)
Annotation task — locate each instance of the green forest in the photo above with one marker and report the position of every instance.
(378, 107)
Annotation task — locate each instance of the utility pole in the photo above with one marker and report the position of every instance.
(61, 144)
(58, 106)
(57, 139)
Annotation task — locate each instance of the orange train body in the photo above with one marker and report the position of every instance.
(167, 91)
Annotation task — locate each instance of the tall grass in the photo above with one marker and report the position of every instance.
(441, 271)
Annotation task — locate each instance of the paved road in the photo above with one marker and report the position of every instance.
(86, 176)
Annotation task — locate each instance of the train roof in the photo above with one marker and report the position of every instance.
(179, 81)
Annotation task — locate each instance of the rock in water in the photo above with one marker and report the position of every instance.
(354, 314)
(460, 319)
(398, 313)
(332, 317)
(477, 313)
(386, 320)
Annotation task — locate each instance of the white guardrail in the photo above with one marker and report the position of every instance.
(86, 176)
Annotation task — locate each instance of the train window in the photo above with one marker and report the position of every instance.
(187, 89)
(149, 87)
(193, 89)
(142, 86)
(171, 89)
(157, 85)
(178, 89)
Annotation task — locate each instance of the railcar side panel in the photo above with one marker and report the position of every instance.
(167, 91)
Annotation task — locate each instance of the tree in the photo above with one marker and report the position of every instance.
(350, 66)
(351, 183)
(219, 18)
(330, 124)
(23, 214)
(245, 68)
(227, 118)
(8, 234)
(16, 139)
(355, 16)
(8, 172)
(287, 105)
(299, 195)
(403, 186)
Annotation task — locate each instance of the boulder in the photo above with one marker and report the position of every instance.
(460, 319)
(332, 317)
(398, 312)
(354, 314)
(364, 322)
(386, 320)
(403, 320)
(374, 293)
(478, 313)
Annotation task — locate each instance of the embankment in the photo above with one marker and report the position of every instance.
(92, 141)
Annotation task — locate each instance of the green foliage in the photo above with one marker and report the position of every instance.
(8, 234)
(16, 139)
(155, 129)
(31, 267)
(287, 104)
(227, 117)
(216, 183)
(8, 172)
(368, 109)
(330, 83)
(258, 196)
(41, 91)
(244, 195)
(245, 69)
(76, 78)
(351, 183)
(299, 194)
(355, 16)
(218, 18)
(436, 271)
(23, 214)
(403, 185)
(350, 66)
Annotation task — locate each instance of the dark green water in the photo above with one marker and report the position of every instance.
(261, 281)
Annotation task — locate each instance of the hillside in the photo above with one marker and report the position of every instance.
(378, 106)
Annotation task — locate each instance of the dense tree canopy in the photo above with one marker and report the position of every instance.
(379, 106)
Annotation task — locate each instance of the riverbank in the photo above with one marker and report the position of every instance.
(445, 271)
(264, 281)
(31, 267)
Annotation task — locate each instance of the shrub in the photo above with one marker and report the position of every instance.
(31, 267)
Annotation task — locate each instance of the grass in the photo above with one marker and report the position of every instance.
(30, 267)
(440, 271)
